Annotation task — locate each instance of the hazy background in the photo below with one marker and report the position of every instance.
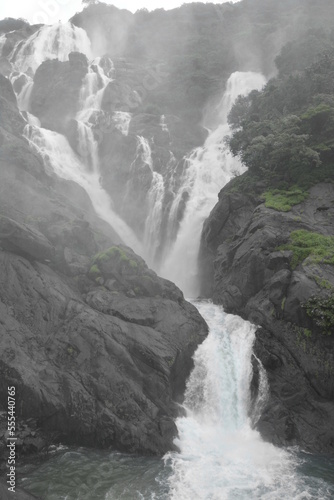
(50, 11)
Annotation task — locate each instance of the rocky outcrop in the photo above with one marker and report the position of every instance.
(97, 345)
(19, 493)
(55, 94)
(253, 275)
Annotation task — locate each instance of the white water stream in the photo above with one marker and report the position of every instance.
(222, 457)
(56, 42)
(208, 169)
(50, 42)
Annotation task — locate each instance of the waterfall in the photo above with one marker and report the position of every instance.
(122, 120)
(208, 169)
(155, 204)
(58, 154)
(154, 219)
(50, 42)
(23, 99)
(91, 95)
(163, 124)
(3, 40)
(221, 455)
(56, 42)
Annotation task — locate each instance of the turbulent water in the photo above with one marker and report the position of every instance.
(50, 42)
(221, 456)
(209, 168)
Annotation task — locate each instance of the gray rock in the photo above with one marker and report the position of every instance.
(252, 277)
(91, 368)
(24, 240)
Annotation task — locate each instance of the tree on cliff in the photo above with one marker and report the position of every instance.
(285, 133)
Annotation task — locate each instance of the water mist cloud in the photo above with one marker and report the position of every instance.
(51, 11)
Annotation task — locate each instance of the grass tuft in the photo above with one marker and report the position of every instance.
(282, 200)
(315, 246)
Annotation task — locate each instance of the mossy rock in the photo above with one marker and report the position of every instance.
(315, 247)
(116, 260)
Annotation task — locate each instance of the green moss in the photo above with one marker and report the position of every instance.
(112, 252)
(321, 311)
(116, 254)
(325, 284)
(315, 246)
(307, 332)
(282, 200)
(94, 271)
(283, 304)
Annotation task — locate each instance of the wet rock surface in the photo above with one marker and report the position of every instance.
(97, 359)
(251, 275)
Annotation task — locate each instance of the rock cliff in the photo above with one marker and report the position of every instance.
(251, 264)
(97, 345)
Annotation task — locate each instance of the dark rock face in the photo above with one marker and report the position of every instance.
(98, 358)
(253, 278)
(19, 493)
(83, 373)
(56, 89)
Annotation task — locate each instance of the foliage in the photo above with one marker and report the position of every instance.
(305, 244)
(323, 283)
(286, 132)
(116, 255)
(321, 310)
(302, 52)
(10, 24)
(113, 252)
(200, 45)
(282, 200)
(95, 271)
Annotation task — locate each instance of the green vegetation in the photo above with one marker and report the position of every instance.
(95, 271)
(315, 246)
(325, 284)
(118, 257)
(283, 303)
(70, 351)
(285, 133)
(200, 45)
(113, 252)
(282, 200)
(321, 310)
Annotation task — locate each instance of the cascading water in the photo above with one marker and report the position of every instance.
(163, 124)
(91, 95)
(3, 40)
(50, 42)
(56, 150)
(221, 456)
(154, 219)
(122, 120)
(208, 169)
(56, 42)
(155, 205)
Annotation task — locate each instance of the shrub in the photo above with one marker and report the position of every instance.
(321, 311)
(305, 244)
(283, 201)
